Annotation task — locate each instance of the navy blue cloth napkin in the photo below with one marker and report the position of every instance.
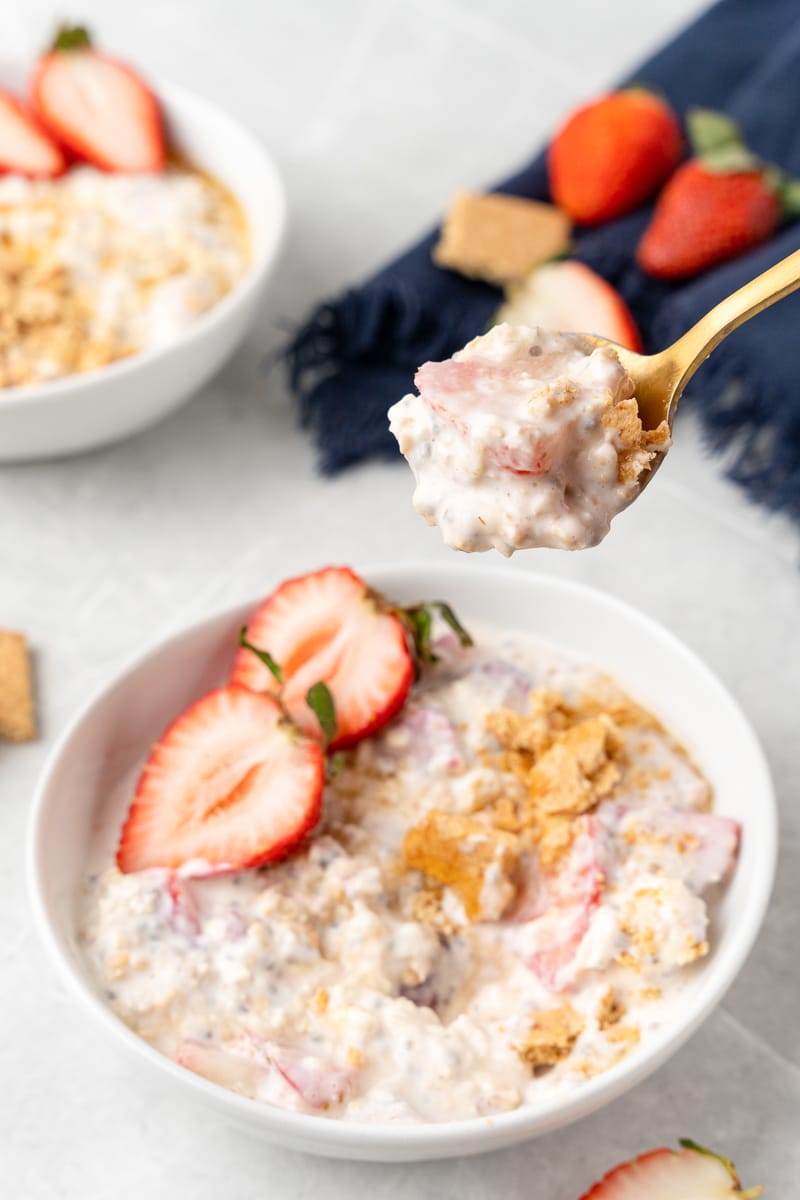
(357, 354)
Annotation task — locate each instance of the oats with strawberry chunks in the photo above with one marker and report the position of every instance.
(525, 438)
(395, 870)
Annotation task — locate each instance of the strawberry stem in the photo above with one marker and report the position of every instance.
(418, 619)
(263, 656)
(72, 37)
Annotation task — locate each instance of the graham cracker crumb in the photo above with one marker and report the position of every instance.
(628, 1035)
(648, 994)
(426, 907)
(500, 238)
(17, 714)
(467, 855)
(637, 446)
(355, 1057)
(567, 762)
(550, 1037)
(320, 1001)
(611, 1010)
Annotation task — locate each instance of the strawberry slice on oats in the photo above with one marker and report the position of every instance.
(329, 627)
(100, 109)
(230, 784)
(25, 148)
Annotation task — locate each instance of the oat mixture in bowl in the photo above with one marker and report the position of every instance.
(507, 890)
(95, 266)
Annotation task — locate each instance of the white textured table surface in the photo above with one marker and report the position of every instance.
(376, 110)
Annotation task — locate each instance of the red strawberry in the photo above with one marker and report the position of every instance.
(230, 784)
(691, 1173)
(329, 627)
(25, 147)
(612, 154)
(571, 296)
(97, 107)
(718, 205)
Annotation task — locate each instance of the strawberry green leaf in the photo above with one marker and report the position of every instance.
(420, 622)
(263, 656)
(320, 701)
(72, 37)
(450, 618)
(789, 194)
(710, 131)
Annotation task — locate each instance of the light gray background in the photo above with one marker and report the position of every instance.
(376, 112)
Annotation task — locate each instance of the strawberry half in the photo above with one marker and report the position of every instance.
(611, 155)
(569, 295)
(690, 1173)
(25, 148)
(230, 784)
(329, 627)
(718, 205)
(97, 107)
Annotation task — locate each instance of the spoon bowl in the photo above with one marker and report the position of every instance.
(659, 379)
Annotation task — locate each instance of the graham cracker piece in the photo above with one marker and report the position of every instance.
(17, 716)
(500, 238)
(610, 1010)
(633, 439)
(550, 1037)
(466, 855)
(568, 762)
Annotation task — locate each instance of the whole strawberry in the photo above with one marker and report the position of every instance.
(719, 204)
(611, 155)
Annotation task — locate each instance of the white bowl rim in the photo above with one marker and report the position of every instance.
(261, 263)
(474, 1134)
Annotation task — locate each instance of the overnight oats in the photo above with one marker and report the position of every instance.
(96, 266)
(110, 243)
(525, 438)
(496, 895)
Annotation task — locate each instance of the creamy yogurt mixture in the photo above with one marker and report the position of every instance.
(505, 895)
(525, 438)
(96, 266)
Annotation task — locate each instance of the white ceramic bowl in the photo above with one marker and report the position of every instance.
(83, 411)
(88, 778)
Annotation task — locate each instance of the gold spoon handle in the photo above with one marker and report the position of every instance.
(694, 347)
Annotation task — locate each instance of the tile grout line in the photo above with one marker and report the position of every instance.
(756, 1040)
(374, 16)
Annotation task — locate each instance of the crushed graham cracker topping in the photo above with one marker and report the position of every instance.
(568, 761)
(550, 1036)
(637, 446)
(80, 272)
(611, 1009)
(479, 862)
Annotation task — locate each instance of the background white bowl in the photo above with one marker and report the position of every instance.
(83, 411)
(86, 785)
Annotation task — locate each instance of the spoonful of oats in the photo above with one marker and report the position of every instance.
(530, 437)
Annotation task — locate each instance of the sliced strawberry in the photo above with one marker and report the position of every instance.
(25, 148)
(184, 913)
(97, 107)
(691, 1173)
(571, 896)
(231, 1071)
(230, 784)
(570, 296)
(319, 1083)
(329, 627)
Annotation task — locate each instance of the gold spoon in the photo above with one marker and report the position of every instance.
(659, 379)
